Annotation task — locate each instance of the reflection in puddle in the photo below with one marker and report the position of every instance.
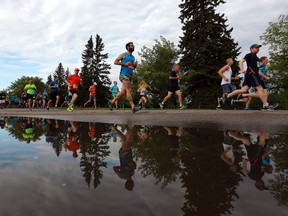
(59, 167)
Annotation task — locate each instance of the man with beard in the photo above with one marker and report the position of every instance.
(128, 64)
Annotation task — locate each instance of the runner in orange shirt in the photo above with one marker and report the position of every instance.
(92, 95)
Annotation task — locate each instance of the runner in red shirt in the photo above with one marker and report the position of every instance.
(73, 82)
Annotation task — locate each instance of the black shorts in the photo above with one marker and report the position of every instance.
(173, 88)
(251, 81)
(72, 91)
(30, 96)
(53, 95)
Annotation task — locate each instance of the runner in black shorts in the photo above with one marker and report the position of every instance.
(173, 87)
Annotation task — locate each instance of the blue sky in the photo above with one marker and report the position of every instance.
(38, 34)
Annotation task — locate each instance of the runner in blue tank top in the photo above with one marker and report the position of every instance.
(128, 64)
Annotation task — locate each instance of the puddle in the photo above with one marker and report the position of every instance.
(53, 167)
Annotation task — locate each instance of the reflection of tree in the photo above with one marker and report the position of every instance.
(56, 133)
(155, 160)
(94, 151)
(279, 185)
(210, 188)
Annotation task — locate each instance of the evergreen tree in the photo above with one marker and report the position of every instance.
(87, 70)
(95, 69)
(101, 72)
(205, 45)
(60, 72)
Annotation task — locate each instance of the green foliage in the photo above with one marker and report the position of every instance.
(16, 88)
(156, 63)
(276, 36)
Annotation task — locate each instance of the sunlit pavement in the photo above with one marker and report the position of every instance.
(233, 119)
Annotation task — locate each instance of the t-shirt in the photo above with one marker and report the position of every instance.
(173, 82)
(114, 89)
(253, 63)
(55, 86)
(30, 88)
(92, 90)
(74, 81)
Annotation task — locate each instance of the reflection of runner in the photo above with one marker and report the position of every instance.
(127, 165)
(28, 130)
(72, 143)
(173, 140)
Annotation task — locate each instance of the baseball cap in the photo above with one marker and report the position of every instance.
(76, 69)
(255, 46)
(94, 83)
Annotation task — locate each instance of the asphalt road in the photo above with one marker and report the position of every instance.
(252, 120)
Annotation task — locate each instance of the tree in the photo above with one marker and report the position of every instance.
(156, 63)
(205, 45)
(16, 88)
(276, 36)
(95, 69)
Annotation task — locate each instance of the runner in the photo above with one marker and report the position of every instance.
(115, 90)
(251, 77)
(226, 73)
(92, 95)
(54, 92)
(173, 87)
(30, 89)
(142, 88)
(73, 81)
(128, 64)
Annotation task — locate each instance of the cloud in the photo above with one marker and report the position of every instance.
(37, 35)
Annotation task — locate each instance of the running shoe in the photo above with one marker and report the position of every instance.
(218, 108)
(182, 107)
(224, 97)
(270, 107)
(247, 108)
(110, 105)
(47, 107)
(136, 109)
(233, 102)
(161, 106)
(70, 108)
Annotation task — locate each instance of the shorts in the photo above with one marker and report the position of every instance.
(173, 88)
(92, 97)
(72, 91)
(2, 101)
(251, 81)
(228, 87)
(262, 83)
(30, 96)
(125, 77)
(53, 95)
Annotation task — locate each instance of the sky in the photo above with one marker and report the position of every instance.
(36, 35)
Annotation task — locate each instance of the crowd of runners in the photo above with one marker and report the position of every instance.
(253, 85)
